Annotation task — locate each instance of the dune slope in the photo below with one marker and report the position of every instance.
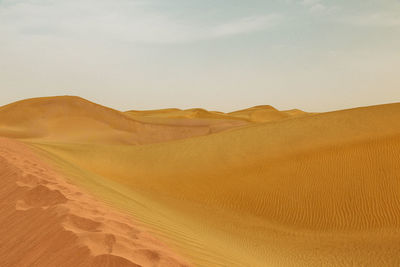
(47, 221)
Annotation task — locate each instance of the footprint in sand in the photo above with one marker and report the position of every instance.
(84, 223)
(109, 241)
(42, 196)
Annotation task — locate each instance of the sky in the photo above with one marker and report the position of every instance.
(315, 55)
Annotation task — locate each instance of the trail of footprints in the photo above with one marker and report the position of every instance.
(45, 190)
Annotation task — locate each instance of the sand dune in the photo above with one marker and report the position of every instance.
(260, 114)
(73, 119)
(259, 187)
(189, 118)
(255, 114)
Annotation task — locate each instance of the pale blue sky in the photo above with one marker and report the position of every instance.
(314, 55)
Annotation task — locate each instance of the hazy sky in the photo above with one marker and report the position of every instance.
(316, 55)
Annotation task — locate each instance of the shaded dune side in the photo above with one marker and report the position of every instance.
(46, 221)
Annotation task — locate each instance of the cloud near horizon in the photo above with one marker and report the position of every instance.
(374, 19)
(126, 21)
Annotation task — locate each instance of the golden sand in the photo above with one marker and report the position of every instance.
(255, 187)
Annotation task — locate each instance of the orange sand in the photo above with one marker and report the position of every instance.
(255, 187)
(47, 221)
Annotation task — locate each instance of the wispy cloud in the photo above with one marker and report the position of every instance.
(375, 20)
(317, 6)
(314, 5)
(128, 21)
(245, 25)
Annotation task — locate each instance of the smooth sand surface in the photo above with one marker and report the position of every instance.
(255, 187)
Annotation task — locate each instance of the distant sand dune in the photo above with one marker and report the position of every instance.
(255, 187)
(75, 119)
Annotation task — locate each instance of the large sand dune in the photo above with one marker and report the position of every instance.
(255, 187)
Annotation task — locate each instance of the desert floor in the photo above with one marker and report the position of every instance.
(85, 185)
